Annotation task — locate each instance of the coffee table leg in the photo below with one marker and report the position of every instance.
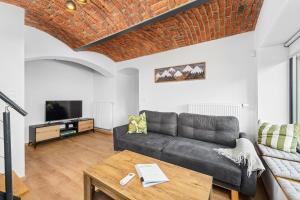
(88, 188)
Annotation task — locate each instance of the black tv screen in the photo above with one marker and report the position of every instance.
(59, 110)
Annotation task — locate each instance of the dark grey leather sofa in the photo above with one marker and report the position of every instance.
(188, 140)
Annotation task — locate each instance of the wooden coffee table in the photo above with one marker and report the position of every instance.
(183, 184)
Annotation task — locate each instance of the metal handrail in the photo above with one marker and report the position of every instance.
(8, 195)
(12, 104)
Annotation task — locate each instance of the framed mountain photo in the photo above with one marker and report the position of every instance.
(196, 71)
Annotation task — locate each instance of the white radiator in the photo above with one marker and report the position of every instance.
(103, 115)
(215, 109)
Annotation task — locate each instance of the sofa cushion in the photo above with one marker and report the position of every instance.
(222, 130)
(150, 144)
(270, 152)
(283, 168)
(200, 156)
(291, 188)
(161, 122)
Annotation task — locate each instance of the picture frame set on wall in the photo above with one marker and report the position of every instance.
(195, 71)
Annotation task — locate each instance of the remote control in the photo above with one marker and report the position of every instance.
(126, 179)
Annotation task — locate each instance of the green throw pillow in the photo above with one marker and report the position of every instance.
(284, 137)
(137, 124)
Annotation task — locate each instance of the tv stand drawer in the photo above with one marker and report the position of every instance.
(46, 133)
(85, 125)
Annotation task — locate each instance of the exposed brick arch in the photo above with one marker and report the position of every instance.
(217, 19)
(99, 18)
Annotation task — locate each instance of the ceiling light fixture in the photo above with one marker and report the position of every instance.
(70, 5)
(82, 1)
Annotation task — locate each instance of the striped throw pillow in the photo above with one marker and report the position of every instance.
(282, 137)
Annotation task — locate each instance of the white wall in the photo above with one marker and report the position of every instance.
(127, 98)
(276, 24)
(273, 84)
(40, 45)
(122, 91)
(270, 13)
(104, 88)
(231, 77)
(12, 78)
(104, 101)
(56, 80)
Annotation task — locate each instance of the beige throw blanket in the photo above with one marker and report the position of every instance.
(244, 152)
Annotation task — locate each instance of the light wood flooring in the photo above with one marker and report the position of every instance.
(54, 169)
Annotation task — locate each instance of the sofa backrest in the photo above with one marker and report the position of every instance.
(161, 122)
(222, 130)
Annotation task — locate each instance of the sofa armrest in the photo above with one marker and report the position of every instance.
(117, 133)
(248, 184)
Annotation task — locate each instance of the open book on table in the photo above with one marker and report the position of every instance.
(150, 174)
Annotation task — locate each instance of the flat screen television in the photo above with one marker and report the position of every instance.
(59, 110)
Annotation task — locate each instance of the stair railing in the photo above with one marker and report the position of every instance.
(8, 195)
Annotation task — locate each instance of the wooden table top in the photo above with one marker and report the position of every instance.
(183, 184)
(19, 188)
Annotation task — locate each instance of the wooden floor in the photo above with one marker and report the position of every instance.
(54, 169)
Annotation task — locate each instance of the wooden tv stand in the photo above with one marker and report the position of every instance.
(50, 131)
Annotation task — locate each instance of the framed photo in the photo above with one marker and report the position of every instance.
(196, 71)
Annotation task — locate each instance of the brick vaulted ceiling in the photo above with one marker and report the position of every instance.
(100, 18)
